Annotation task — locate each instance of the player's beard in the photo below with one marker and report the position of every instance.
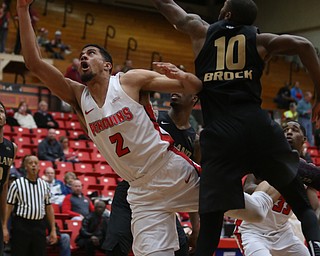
(87, 77)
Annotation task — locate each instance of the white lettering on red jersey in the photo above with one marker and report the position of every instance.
(124, 134)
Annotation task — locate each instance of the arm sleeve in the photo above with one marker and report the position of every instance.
(66, 207)
(39, 120)
(43, 152)
(12, 193)
(84, 231)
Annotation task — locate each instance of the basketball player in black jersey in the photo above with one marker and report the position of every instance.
(238, 136)
(7, 155)
(175, 121)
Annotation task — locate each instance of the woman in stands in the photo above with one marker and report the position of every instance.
(23, 117)
(70, 154)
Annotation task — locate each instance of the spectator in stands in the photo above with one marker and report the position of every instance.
(42, 37)
(29, 197)
(156, 100)
(4, 25)
(69, 154)
(72, 71)
(304, 110)
(63, 241)
(50, 149)
(59, 47)
(116, 69)
(76, 204)
(44, 119)
(127, 66)
(23, 116)
(283, 97)
(69, 177)
(291, 114)
(57, 188)
(296, 92)
(93, 230)
(10, 118)
(20, 171)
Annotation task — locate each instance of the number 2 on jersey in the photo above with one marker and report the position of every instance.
(231, 54)
(118, 140)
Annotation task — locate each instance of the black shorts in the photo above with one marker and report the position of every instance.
(243, 141)
(119, 226)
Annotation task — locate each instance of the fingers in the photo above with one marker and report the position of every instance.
(167, 69)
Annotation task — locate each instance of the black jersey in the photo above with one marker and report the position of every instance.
(230, 68)
(183, 139)
(6, 160)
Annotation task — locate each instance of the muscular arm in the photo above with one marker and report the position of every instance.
(8, 210)
(313, 198)
(310, 174)
(51, 220)
(190, 24)
(171, 79)
(48, 74)
(271, 44)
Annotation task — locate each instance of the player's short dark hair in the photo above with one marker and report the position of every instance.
(5, 112)
(103, 51)
(243, 11)
(303, 130)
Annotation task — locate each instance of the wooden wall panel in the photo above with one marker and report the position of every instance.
(152, 32)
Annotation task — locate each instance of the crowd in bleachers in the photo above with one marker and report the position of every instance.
(295, 104)
(76, 159)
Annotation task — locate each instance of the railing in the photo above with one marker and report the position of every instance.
(131, 46)
(110, 33)
(68, 8)
(45, 11)
(89, 20)
(11, 94)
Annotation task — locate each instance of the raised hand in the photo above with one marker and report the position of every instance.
(23, 3)
(169, 70)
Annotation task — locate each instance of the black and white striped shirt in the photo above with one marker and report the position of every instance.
(30, 198)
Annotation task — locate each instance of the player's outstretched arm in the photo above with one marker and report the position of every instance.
(168, 79)
(295, 45)
(190, 24)
(179, 18)
(48, 74)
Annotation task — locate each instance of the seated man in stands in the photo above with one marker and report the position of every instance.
(94, 228)
(60, 48)
(76, 204)
(57, 188)
(44, 119)
(50, 149)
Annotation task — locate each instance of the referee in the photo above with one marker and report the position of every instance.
(30, 198)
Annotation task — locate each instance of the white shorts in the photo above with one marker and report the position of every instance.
(281, 244)
(154, 201)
